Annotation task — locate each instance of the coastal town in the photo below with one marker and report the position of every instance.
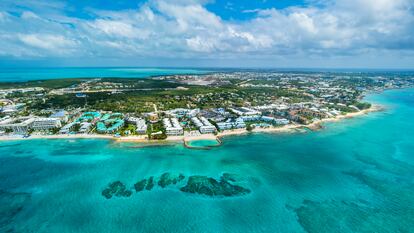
(185, 107)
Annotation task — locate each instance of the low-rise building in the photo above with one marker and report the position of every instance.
(281, 121)
(229, 124)
(141, 126)
(172, 127)
(243, 111)
(203, 125)
(85, 127)
(67, 128)
(62, 115)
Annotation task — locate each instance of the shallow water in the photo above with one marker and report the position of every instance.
(203, 143)
(353, 176)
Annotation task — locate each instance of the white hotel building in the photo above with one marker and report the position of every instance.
(46, 123)
(203, 125)
(172, 127)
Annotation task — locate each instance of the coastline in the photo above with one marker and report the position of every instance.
(144, 139)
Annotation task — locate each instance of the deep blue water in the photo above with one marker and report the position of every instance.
(356, 175)
(30, 74)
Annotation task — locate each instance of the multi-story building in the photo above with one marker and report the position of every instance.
(62, 115)
(67, 128)
(172, 126)
(139, 123)
(85, 127)
(46, 123)
(141, 126)
(17, 125)
(237, 124)
(203, 125)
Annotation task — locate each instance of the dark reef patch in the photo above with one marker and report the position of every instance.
(168, 179)
(140, 185)
(11, 204)
(117, 189)
(150, 183)
(211, 187)
(203, 185)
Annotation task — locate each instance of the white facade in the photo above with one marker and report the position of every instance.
(19, 125)
(139, 123)
(245, 111)
(203, 125)
(281, 121)
(141, 126)
(85, 127)
(238, 124)
(172, 126)
(46, 123)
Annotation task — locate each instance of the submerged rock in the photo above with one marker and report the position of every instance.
(117, 189)
(211, 187)
(168, 179)
(140, 185)
(150, 183)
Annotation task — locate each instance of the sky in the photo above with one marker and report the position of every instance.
(377, 34)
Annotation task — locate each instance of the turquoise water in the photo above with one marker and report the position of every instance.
(353, 176)
(203, 143)
(30, 74)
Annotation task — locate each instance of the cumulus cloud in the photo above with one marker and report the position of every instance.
(186, 29)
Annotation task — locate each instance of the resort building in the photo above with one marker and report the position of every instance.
(141, 126)
(152, 117)
(281, 121)
(85, 127)
(203, 125)
(139, 123)
(172, 127)
(67, 128)
(89, 117)
(251, 118)
(110, 123)
(229, 124)
(13, 108)
(243, 111)
(46, 123)
(62, 115)
(17, 125)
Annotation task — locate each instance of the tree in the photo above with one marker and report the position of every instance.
(249, 127)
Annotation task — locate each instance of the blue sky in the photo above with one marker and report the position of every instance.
(208, 33)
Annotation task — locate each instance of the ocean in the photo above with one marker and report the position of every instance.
(31, 74)
(356, 175)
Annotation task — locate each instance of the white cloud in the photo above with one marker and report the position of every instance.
(186, 29)
(54, 43)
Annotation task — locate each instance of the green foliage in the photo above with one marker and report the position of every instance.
(362, 105)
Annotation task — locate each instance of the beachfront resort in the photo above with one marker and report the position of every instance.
(184, 106)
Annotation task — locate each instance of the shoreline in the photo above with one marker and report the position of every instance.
(144, 139)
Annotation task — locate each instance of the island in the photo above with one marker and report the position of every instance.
(186, 107)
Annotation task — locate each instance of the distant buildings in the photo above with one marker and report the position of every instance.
(13, 108)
